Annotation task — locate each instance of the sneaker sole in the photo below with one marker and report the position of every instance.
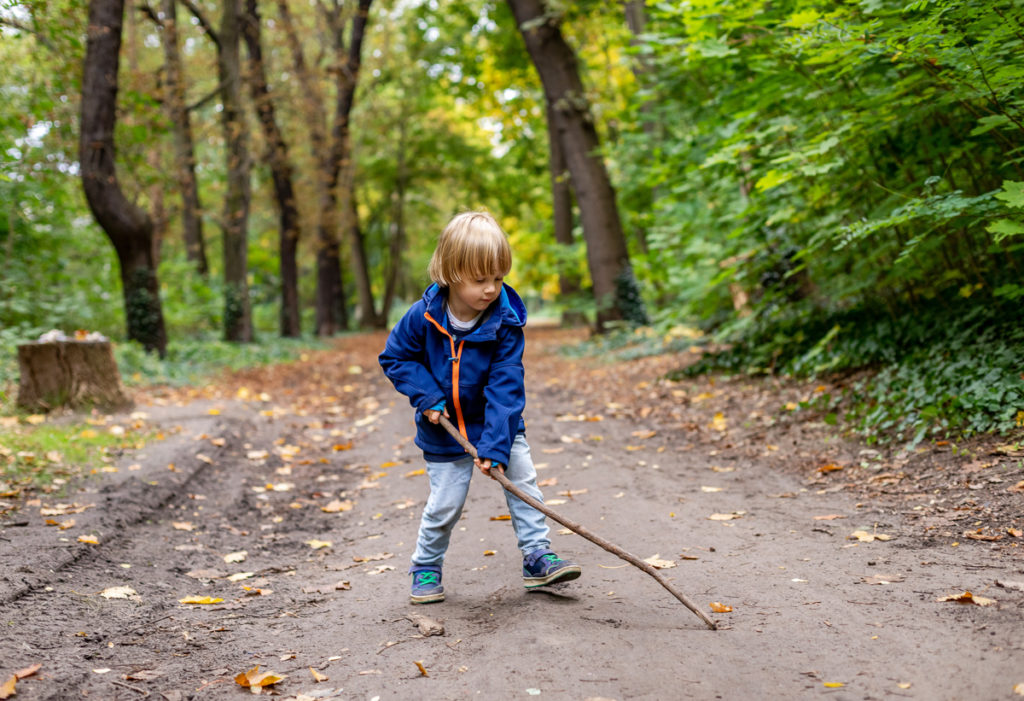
(427, 598)
(566, 574)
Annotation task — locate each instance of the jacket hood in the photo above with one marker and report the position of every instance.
(507, 310)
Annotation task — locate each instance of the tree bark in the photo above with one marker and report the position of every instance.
(184, 145)
(281, 173)
(556, 65)
(78, 374)
(128, 227)
(397, 227)
(237, 310)
(561, 199)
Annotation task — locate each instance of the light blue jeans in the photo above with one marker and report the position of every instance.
(449, 484)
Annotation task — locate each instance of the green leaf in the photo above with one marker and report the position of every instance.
(772, 179)
(987, 124)
(1002, 228)
(1012, 194)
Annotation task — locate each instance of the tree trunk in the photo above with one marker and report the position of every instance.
(561, 198)
(397, 242)
(607, 257)
(128, 227)
(237, 311)
(184, 148)
(281, 172)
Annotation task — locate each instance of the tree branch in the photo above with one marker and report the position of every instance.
(149, 12)
(203, 100)
(203, 22)
(40, 37)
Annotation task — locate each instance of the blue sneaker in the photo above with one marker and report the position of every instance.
(544, 567)
(426, 585)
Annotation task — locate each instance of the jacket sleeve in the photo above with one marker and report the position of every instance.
(505, 394)
(404, 362)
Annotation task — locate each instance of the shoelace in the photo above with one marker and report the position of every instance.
(424, 578)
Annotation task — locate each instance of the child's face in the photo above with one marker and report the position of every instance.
(473, 295)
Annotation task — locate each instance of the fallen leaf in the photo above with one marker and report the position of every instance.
(720, 608)
(200, 600)
(865, 537)
(380, 569)
(423, 670)
(725, 517)
(122, 592)
(338, 447)
(204, 458)
(317, 676)
(549, 482)
(1019, 689)
(488, 553)
(833, 685)
(657, 563)
(338, 506)
(340, 585)
(1015, 532)
(415, 473)
(718, 422)
(373, 558)
(502, 517)
(830, 468)
(7, 688)
(241, 576)
(238, 556)
(968, 598)
(183, 525)
(882, 579)
(255, 681)
(257, 455)
(319, 544)
(573, 492)
(89, 539)
(978, 535)
(828, 517)
(710, 490)
(28, 671)
(643, 435)
(1019, 487)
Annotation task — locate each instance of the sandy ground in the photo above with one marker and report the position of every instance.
(814, 611)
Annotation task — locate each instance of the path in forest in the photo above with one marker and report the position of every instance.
(812, 609)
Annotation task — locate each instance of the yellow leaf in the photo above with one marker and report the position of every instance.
(204, 458)
(342, 446)
(28, 671)
(7, 689)
(386, 465)
(214, 412)
(319, 544)
(724, 517)
(1019, 689)
(337, 506)
(865, 537)
(35, 419)
(718, 422)
(415, 473)
(423, 670)
(710, 490)
(183, 525)
(317, 676)
(720, 608)
(489, 552)
(830, 468)
(906, 685)
(833, 685)
(90, 539)
(502, 517)
(968, 598)
(88, 433)
(253, 678)
(200, 600)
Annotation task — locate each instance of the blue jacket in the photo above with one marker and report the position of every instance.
(426, 363)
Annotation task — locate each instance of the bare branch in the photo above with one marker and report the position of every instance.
(203, 21)
(40, 37)
(203, 100)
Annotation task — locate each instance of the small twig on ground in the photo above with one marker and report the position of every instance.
(500, 477)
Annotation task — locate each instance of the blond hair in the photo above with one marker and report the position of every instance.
(472, 245)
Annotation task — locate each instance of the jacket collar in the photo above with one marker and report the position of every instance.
(507, 310)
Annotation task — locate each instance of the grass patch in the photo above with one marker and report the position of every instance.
(40, 456)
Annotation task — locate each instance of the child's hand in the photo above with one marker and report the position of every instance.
(486, 466)
(433, 415)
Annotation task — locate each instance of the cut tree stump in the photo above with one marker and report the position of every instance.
(76, 374)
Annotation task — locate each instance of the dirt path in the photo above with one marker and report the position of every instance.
(812, 609)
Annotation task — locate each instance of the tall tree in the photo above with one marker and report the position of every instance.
(561, 200)
(129, 228)
(615, 289)
(237, 198)
(184, 146)
(281, 172)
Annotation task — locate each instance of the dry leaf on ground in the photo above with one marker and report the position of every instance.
(338, 506)
(238, 556)
(967, 598)
(319, 544)
(317, 676)
(720, 607)
(657, 563)
(373, 558)
(726, 517)
(122, 592)
(200, 600)
(865, 537)
(882, 579)
(254, 680)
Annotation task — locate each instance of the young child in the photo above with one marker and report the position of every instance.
(458, 351)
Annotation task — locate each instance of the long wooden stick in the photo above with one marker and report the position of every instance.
(499, 475)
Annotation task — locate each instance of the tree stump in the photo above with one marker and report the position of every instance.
(76, 374)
